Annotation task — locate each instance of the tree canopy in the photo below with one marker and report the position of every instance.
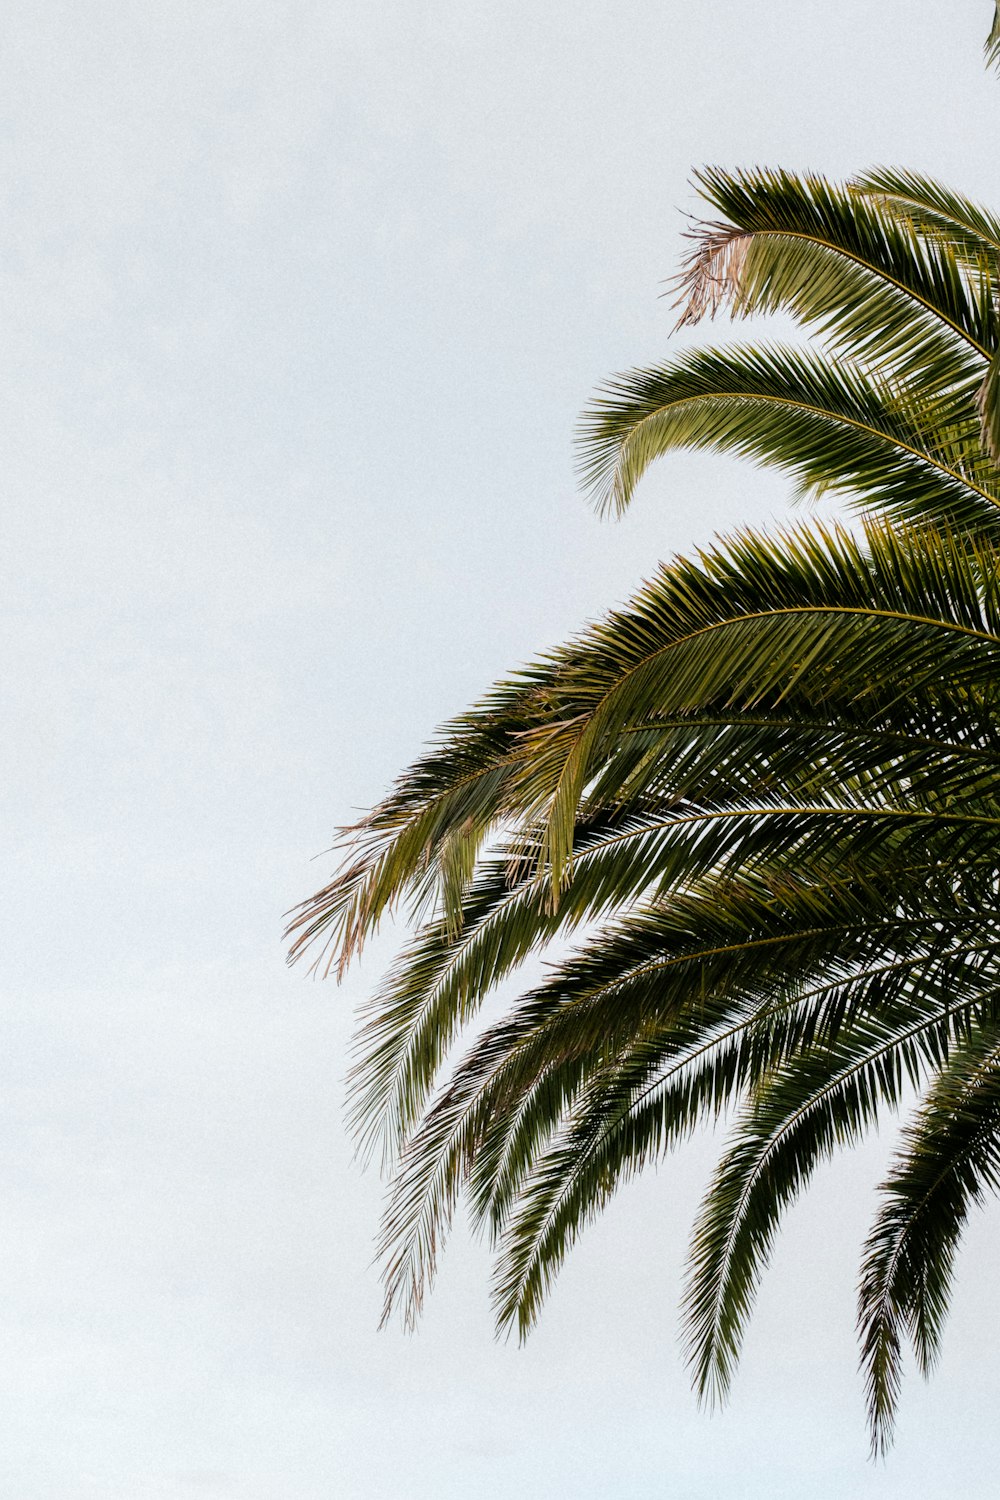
(762, 799)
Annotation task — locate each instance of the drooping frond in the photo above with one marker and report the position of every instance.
(818, 1102)
(829, 426)
(459, 789)
(949, 1159)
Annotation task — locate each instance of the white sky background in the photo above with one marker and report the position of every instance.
(300, 304)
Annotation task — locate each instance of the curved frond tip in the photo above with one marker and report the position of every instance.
(993, 41)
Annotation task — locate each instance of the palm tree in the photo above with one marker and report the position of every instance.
(766, 793)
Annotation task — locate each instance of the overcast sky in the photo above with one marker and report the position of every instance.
(300, 303)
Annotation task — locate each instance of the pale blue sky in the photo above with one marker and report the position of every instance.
(300, 303)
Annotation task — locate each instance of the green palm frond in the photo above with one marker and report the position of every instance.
(831, 427)
(949, 1159)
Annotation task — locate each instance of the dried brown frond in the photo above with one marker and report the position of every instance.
(711, 273)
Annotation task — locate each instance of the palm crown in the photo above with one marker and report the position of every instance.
(767, 791)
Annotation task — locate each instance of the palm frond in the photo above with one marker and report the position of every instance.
(950, 1157)
(993, 41)
(830, 427)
